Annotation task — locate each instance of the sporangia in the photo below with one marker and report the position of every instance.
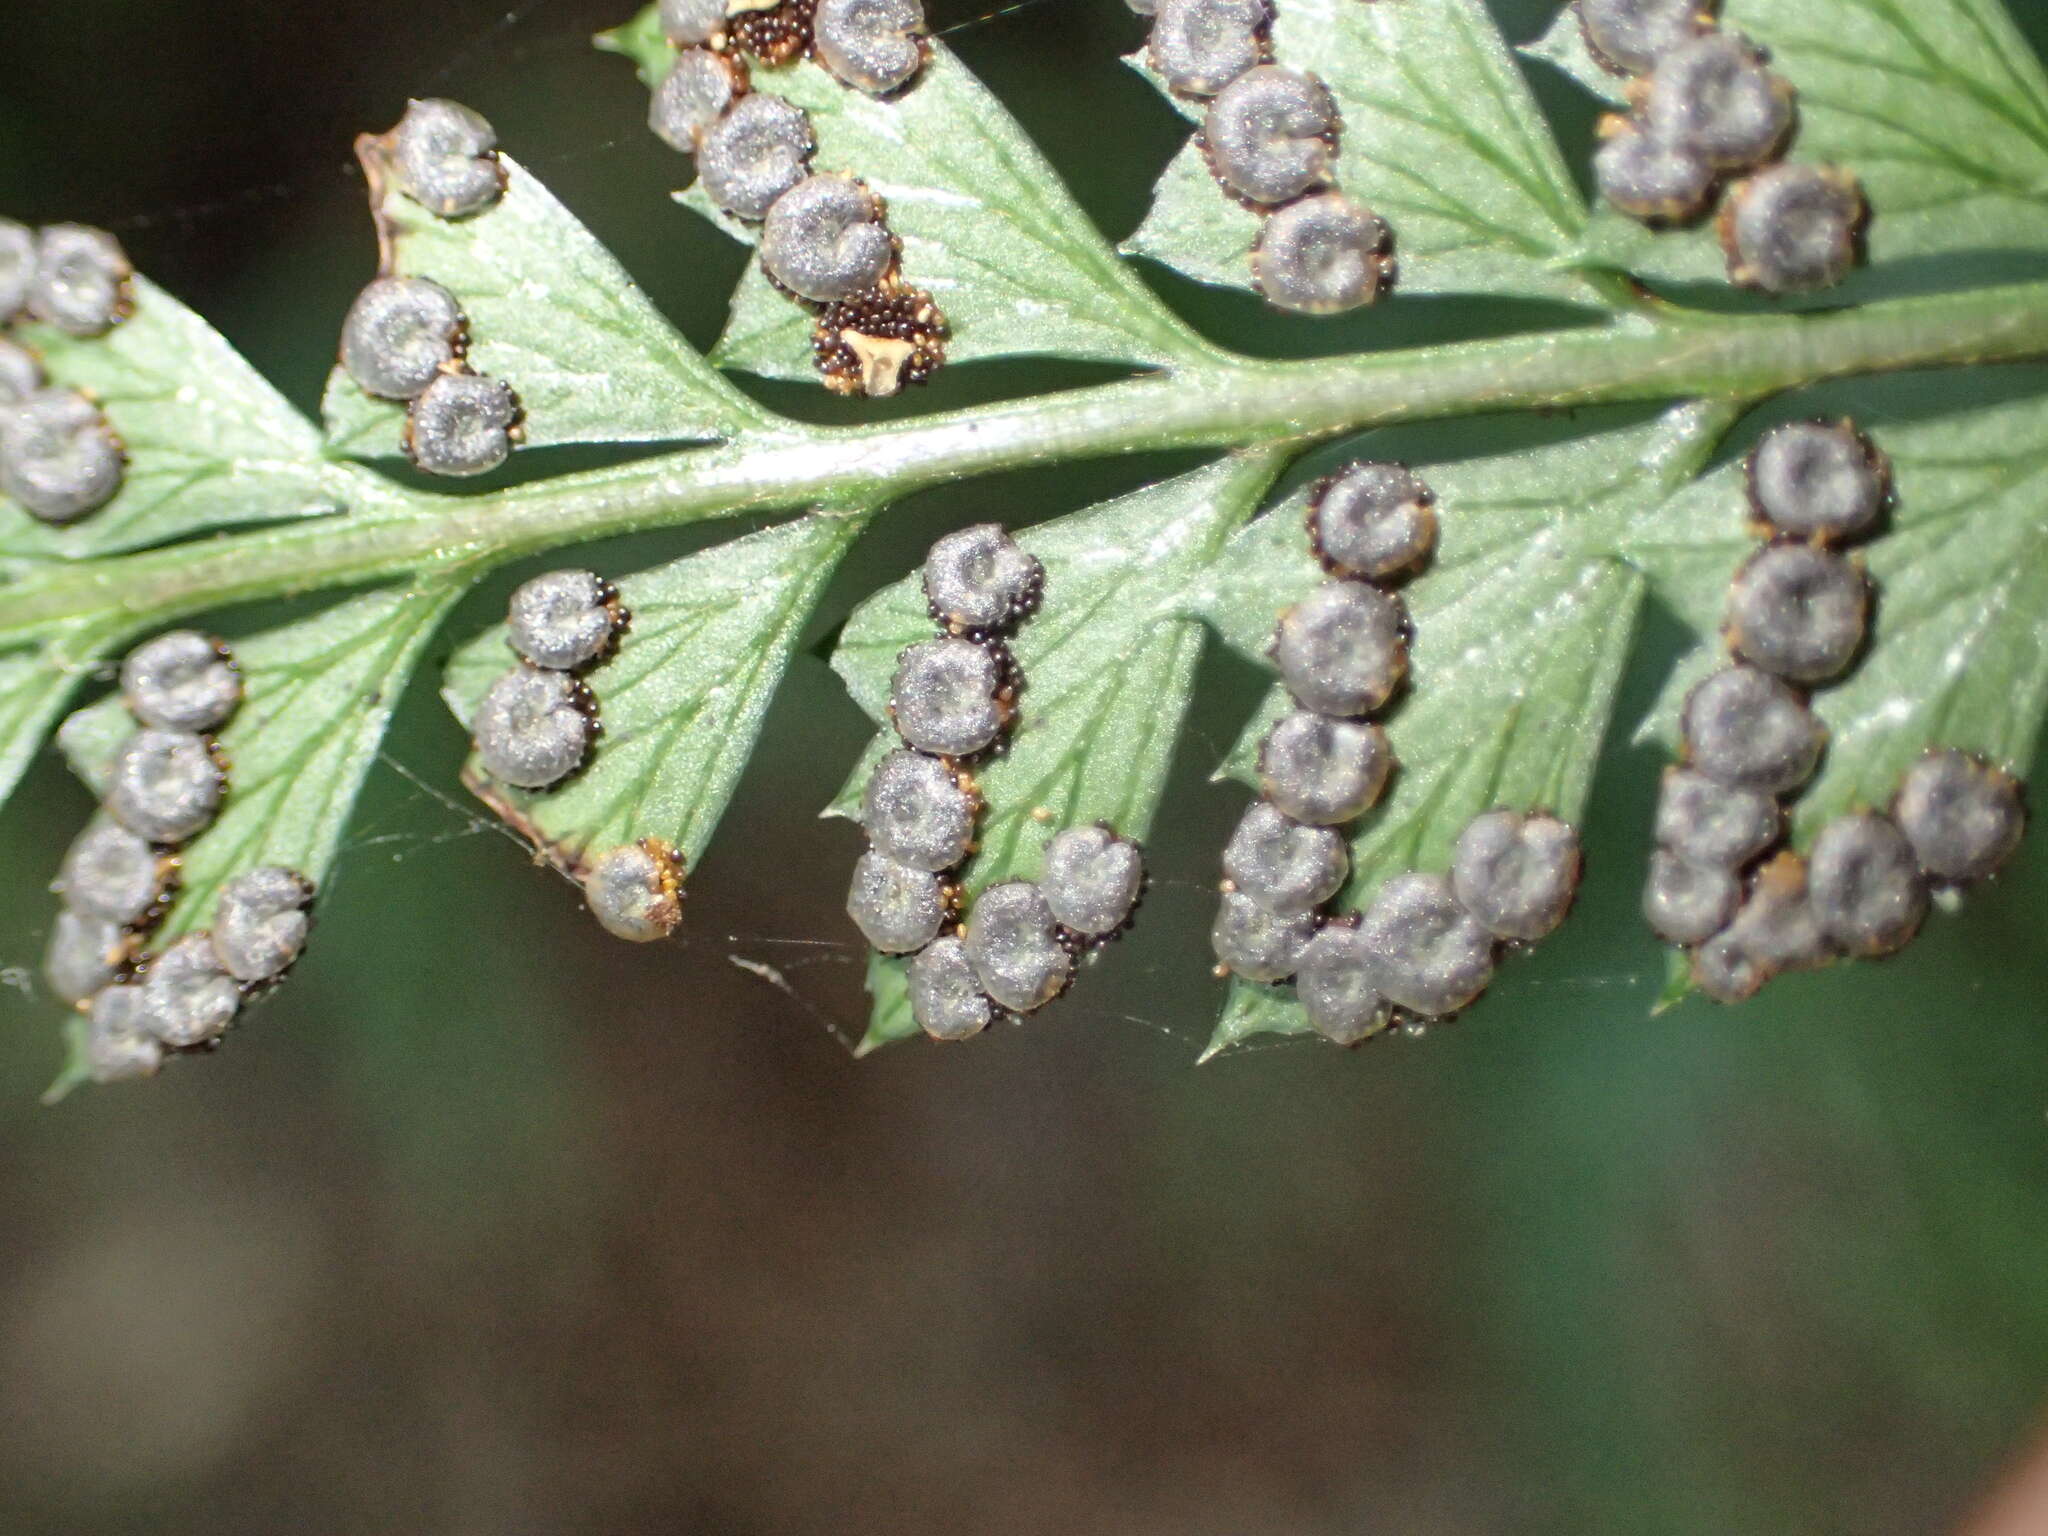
(564, 619)
(446, 160)
(400, 334)
(1271, 134)
(635, 891)
(59, 457)
(534, 727)
(260, 922)
(164, 785)
(182, 681)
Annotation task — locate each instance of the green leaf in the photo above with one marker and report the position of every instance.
(888, 988)
(76, 1071)
(1958, 654)
(1522, 629)
(1441, 138)
(1252, 1009)
(642, 41)
(556, 317)
(682, 698)
(210, 444)
(317, 697)
(1108, 662)
(1939, 106)
(33, 688)
(986, 226)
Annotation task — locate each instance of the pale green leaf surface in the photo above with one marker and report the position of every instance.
(1108, 662)
(210, 444)
(1958, 654)
(33, 688)
(888, 989)
(1522, 629)
(682, 698)
(1441, 138)
(1940, 107)
(556, 317)
(318, 696)
(642, 41)
(986, 226)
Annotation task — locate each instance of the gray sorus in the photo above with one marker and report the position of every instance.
(1322, 255)
(1516, 874)
(1963, 817)
(446, 158)
(898, 908)
(1343, 649)
(181, 681)
(188, 999)
(260, 922)
(1013, 943)
(1747, 729)
(946, 998)
(1371, 522)
(1092, 880)
(981, 579)
(400, 333)
(916, 811)
(1322, 771)
(164, 785)
(563, 619)
(81, 279)
(1200, 46)
(948, 697)
(871, 45)
(59, 456)
(461, 424)
(1271, 134)
(754, 153)
(635, 891)
(1281, 864)
(1337, 987)
(534, 727)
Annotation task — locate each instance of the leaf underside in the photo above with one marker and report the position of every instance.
(210, 444)
(318, 696)
(1108, 665)
(986, 227)
(1958, 651)
(34, 686)
(552, 314)
(1940, 108)
(1523, 622)
(1441, 138)
(681, 699)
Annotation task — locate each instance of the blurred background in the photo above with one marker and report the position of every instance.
(487, 1223)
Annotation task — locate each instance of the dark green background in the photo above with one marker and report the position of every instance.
(488, 1224)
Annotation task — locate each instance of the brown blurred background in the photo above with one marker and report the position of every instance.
(487, 1224)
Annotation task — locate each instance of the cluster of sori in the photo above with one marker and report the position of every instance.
(1721, 883)
(1270, 135)
(824, 237)
(164, 787)
(59, 457)
(1708, 109)
(951, 700)
(1427, 944)
(406, 338)
(535, 725)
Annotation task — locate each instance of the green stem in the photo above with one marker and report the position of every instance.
(1230, 405)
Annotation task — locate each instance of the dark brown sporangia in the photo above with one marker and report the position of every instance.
(878, 341)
